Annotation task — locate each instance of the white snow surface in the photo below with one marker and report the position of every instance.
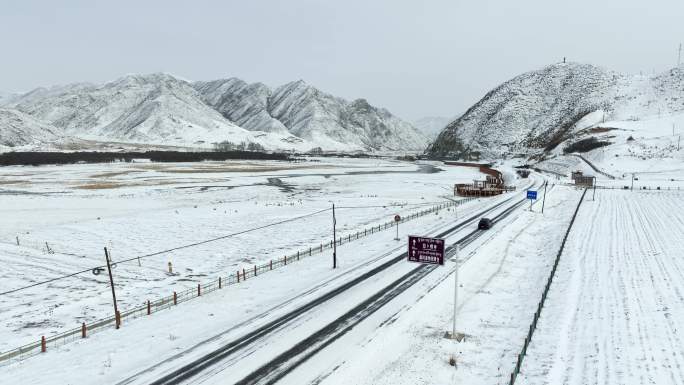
(611, 317)
(613, 314)
(139, 208)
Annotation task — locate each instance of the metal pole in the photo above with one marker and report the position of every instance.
(453, 328)
(632, 182)
(397, 238)
(334, 240)
(593, 198)
(111, 283)
(544, 200)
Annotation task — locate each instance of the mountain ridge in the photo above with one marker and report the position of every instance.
(160, 108)
(534, 112)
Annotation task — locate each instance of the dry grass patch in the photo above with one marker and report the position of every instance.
(244, 167)
(113, 185)
(99, 186)
(112, 174)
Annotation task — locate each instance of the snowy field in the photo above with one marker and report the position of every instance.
(141, 208)
(615, 309)
(611, 317)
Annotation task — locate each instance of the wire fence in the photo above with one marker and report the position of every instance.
(540, 305)
(627, 187)
(238, 276)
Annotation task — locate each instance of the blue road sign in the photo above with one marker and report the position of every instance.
(531, 194)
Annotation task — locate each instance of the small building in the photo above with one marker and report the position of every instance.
(575, 174)
(582, 180)
(523, 173)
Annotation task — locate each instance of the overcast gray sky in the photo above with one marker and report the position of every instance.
(416, 58)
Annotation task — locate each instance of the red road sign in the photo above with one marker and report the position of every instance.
(397, 218)
(426, 250)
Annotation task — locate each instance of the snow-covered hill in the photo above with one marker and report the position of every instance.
(431, 126)
(545, 110)
(240, 102)
(308, 113)
(155, 108)
(159, 109)
(19, 129)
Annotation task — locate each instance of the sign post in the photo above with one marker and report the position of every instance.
(531, 195)
(334, 239)
(397, 219)
(453, 329)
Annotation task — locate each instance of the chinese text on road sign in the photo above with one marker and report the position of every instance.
(426, 250)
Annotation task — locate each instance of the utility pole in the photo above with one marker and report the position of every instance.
(544, 200)
(117, 318)
(334, 240)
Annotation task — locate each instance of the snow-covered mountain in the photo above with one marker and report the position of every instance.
(4, 97)
(20, 129)
(536, 111)
(240, 102)
(155, 108)
(308, 113)
(159, 109)
(431, 126)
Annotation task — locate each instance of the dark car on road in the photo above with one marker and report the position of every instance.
(485, 224)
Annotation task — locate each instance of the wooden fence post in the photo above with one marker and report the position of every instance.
(175, 298)
(149, 308)
(285, 259)
(238, 276)
(117, 317)
(255, 271)
(219, 282)
(43, 345)
(199, 290)
(244, 275)
(83, 330)
(270, 265)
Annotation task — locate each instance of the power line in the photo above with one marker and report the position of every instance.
(165, 251)
(205, 242)
(48, 281)
(224, 236)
